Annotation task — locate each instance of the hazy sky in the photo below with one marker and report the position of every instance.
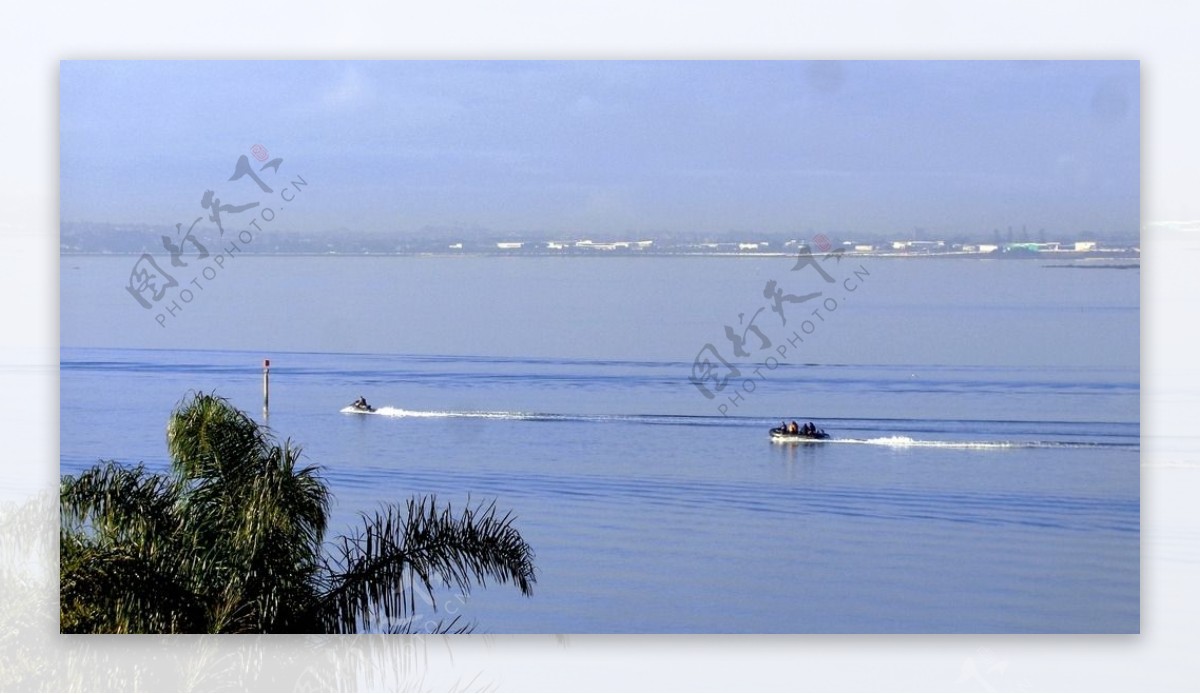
(613, 148)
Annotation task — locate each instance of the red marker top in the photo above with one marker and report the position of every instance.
(266, 363)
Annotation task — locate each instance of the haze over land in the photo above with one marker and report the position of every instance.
(90, 238)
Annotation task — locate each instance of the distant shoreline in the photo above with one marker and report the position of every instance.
(951, 255)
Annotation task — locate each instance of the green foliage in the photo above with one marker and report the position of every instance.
(232, 542)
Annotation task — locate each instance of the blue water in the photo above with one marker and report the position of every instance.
(982, 475)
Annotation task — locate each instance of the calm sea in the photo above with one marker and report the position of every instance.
(982, 477)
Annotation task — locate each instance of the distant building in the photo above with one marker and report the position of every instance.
(556, 245)
(918, 246)
(1033, 247)
(510, 245)
(864, 247)
(1085, 246)
(613, 245)
(717, 246)
(456, 246)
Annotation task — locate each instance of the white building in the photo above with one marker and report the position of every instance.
(1083, 246)
(510, 245)
(613, 245)
(918, 246)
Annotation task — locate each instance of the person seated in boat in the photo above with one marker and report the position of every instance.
(810, 429)
(793, 428)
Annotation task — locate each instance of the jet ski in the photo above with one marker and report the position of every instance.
(359, 405)
(781, 435)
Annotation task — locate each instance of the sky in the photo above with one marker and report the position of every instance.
(612, 149)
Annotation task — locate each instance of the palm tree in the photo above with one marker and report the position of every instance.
(231, 540)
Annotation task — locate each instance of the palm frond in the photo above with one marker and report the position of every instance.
(118, 503)
(232, 540)
(285, 500)
(209, 438)
(113, 590)
(375, 574)
(270, 529)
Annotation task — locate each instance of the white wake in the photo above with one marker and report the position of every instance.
(889, 441)
(388, 411)
(909, 442)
